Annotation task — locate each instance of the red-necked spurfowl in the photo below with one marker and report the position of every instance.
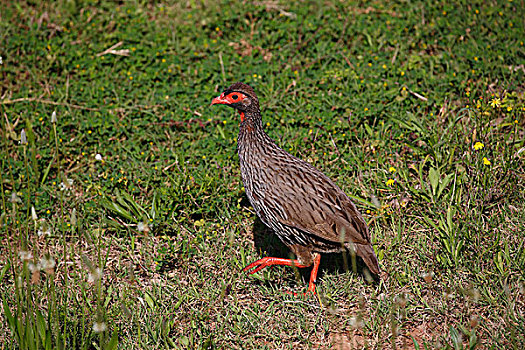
(307, 210)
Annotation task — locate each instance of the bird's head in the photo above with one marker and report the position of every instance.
(241, 97)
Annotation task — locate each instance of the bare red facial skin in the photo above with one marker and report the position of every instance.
(231, 98)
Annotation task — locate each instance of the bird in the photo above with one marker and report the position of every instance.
(307, 211)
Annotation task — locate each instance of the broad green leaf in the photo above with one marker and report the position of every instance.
(433, 176)
(113, 342)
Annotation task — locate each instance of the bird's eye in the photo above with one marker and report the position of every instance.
(235, 97)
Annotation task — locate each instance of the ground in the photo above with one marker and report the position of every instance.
(124, 222)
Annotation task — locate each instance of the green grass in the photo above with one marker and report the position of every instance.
(387, 98)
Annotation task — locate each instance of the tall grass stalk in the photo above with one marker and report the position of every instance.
(61, 178)
(23, 143)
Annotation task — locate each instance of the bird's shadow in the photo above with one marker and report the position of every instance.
(267, 243)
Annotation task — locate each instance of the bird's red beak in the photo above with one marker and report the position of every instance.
(219, 100)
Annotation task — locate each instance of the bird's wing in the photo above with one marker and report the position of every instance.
(314, 204)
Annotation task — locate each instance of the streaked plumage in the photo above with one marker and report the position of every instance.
(306, 209)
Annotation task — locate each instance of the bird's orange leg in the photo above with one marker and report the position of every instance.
(269, 261)
(313, 275)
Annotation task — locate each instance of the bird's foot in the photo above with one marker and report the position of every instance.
(269, 261)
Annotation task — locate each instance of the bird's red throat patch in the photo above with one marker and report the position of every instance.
(242, 116)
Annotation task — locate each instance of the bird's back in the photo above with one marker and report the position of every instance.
(295, 199)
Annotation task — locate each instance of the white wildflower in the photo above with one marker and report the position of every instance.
(15, 198)
(98, 156)
(67, 185)
(74, 217)
(99, 327)
(356, 322)
(95, 275)
(41, 233)
(142, 227)
(47, 263)
(25, 255)
(33, 214)
(54, 117)
(32, 267)
(43, 228)
(23, 137)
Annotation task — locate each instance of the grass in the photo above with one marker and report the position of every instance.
(124, 222)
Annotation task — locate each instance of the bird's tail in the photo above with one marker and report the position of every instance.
(366, 252)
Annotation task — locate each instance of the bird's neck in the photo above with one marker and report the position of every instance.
(252, 139)
(251, 122)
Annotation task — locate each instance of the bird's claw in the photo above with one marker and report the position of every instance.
(259, 265)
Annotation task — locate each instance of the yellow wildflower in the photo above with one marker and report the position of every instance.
(486, 161)
(478, 145)
(392, 169)
(390, 182)
(495, 102)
